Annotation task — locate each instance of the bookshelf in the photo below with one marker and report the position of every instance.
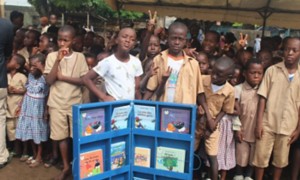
(133, 137)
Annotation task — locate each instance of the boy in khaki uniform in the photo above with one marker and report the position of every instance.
(64, 70)
(277, 117)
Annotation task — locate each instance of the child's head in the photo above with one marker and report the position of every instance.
(78, 43)
(53, 19)
(90, 60)
(66, 35)
(203, 62)
(222, 70)
(19, 37)
(35, 61)
(177, 37)
(126, 39)
(211, 42)
(237, 76)
(99, 41)
(52, 47)
(17, 62)
(44, 21)
(254, 72)
(265, 57)
(291, 51)
(89, 39)
(102, 55)
(45, 39)
(154, 46)
(243, 56)
(32, 38)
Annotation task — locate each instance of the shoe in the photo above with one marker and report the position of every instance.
(24, 158)
(8, 161)
(51, 162)
(35, 163)
(239, 177)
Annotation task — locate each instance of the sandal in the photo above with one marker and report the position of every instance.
(51, 162)
(29, 160)
(24, 157)
(35, 163)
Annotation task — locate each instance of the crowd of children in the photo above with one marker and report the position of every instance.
(248, 106)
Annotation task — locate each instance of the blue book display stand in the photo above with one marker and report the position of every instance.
(105, 134)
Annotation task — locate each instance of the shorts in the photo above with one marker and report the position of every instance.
(212, 143)
(244, 153)
(11, 125)
(264, 146)
(61, 124)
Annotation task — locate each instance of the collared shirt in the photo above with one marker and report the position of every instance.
(221, 100)
(189, 82)
(248, 104)
(281, 112)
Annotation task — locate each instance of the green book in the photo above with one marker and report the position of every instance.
(170, 159)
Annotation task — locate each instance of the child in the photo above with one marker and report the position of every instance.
(121, 71)
(220, 100)
(277, 116)
(45, 40)
(64, 70)
(203, 63)
(87, 96)
(243, 56)
(32, 124)
(16, 90)
(265, 57)
(244, 129)
(211, 43)
(18, 43)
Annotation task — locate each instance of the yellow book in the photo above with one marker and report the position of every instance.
(142, 156)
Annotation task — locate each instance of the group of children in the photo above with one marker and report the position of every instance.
(248, 108)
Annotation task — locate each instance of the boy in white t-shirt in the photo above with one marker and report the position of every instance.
(121, 71)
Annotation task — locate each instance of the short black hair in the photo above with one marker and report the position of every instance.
(68, 28)
(15, 14)
(50, 36)
(20, 60)
(37, 35)
(252, 61)
(178, 24)
(226, 63)
(90, 55)
(41, 57)
(214, 33)
(289, 38)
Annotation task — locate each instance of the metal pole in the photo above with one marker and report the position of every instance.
(62, 19)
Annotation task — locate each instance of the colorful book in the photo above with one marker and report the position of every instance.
(142, 156)
(92, 122)
(144, 117)
(91, 163)
(119, 117)
(175, 120)
(170, 159)
(117, 154)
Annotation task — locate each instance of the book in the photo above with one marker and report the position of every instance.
(91, 163)
(117, 154)
(92, 122)
(142, 156)
(175, 120)
(170, 159)
(144, 117)
(119, 117)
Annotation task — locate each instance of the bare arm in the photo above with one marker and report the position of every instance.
(148, 94)
(211, 122)
(220, 116)
(260, 112)
(52, 76)
(71, 80)
(138, 94)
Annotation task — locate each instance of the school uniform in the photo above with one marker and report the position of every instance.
(24, 52)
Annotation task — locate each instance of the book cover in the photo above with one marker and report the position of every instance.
(92, 122)
(175, 120)
(91, 163)
(144, 117)
(119, 117)
(118, 155)
(170, 159)
(142, 156)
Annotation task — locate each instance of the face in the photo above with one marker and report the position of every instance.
(43, 44)
(33, 67)
(266, 59)
(19, 37)
(126, 39)
(176, 40)
(292, 52)
(236, 78)
(254, 74)
(245, 57)
(91, 62)
(210, 43)
(203, 62)
(219, 75)
(19, 22)
(12, 64)
(29, 40)
(53, 19)
(153, 47)
(65, 39)
(77, 44)
(88, 40)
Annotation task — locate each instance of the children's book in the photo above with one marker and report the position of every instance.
(142, 156)
(144, 117)
(117, 154)
(91, 163)
(92, 122)
(119, 117)
(175, 120)
(170, 159)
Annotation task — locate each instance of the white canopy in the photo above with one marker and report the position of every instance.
(278, 13)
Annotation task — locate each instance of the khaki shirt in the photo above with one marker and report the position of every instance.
(189, 83)
(25, 54)
(62, 94)
(281, 112)
(222, 100)
(18, 81)
(248, 103)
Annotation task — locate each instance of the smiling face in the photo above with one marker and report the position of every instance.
(177, 39)
(210, 43)
(126, 39)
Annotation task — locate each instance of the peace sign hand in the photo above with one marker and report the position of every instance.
(243, 40)
(152, 21)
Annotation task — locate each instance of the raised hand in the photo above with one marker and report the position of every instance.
(167, 73)
(152, 21)
(243, 40)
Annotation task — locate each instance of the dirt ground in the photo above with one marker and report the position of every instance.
(16, 170)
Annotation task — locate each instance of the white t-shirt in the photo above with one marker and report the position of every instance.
(175, 65)
(119, 76)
